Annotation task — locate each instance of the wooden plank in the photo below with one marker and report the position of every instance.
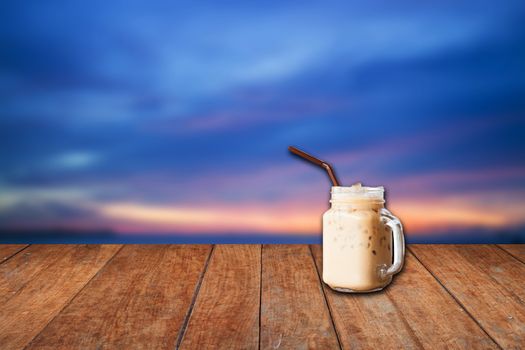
(17, 272)
(226, 312)
(8, 250)
(413, 312)
(487, 281)
(41, 298)
(294, 314)
(516, 250)
(137, 301)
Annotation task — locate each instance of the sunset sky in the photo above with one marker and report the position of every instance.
(164, 119)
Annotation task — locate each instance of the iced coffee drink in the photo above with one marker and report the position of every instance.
(363, 242)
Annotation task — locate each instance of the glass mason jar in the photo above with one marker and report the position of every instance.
(363, 243)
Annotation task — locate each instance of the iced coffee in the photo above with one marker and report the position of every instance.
(362, 241)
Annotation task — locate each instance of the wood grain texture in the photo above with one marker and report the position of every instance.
(226, 312)
(137, 301)
(413, 312)
(294, 314)
(8, 250)
(487, 281)
(146, 296)
(39, 299)
(17, 272)
(516, 250)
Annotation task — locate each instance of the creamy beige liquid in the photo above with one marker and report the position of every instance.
(355, 245)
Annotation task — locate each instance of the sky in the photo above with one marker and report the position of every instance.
(166, 118)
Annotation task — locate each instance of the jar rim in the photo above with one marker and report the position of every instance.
(360, 193)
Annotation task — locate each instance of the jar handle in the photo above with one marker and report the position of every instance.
(399, 244)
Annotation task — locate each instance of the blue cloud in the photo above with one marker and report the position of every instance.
(132, 98)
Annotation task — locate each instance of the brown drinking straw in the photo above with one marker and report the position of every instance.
(316, 161)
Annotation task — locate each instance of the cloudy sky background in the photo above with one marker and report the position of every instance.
(174, 118)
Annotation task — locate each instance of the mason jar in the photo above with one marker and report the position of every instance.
(363, 243)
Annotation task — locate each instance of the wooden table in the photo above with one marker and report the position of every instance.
(252, 296)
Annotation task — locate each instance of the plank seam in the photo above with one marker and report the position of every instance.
(187, 317)
(504, 286)
(35, 276)
(454, 298)
(45, 266)
(260, 296)
(404, 320)
(509, 253)
(327, 304)
(73, 297)
(14, 254)
(501, 286)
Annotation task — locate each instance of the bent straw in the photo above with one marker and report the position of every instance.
(316, 161)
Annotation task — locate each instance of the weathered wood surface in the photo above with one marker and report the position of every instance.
(294, 313)
(516, 250)
(487, 282)
(29, 304)
(405, 315)
(226, 312)
(137, 301)
(253, 296)
(8, 250)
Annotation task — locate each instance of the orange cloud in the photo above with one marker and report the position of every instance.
(489, 210)
(139, 217)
